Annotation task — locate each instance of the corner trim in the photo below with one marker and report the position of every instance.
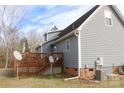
(79, 53)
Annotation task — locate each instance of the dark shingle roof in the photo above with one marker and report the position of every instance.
(78, 22)
(75, 24)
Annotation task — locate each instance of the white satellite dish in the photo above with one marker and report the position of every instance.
(17, 55)
(57, 59)
(51, 59)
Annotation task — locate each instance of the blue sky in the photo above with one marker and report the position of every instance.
(43, 18)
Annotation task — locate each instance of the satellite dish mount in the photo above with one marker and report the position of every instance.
(51, 60)
(18, 57)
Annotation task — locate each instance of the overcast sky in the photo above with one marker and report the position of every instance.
(44, 17)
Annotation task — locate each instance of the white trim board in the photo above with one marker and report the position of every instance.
(79, 53)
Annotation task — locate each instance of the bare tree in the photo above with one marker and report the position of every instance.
(34, 39)
(24, 47)
(10, 18)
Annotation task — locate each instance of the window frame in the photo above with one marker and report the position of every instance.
(67, 45)
(107, 14)
(55, 48)
(110, 25)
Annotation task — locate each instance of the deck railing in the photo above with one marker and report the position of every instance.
(45, 61)
(36, 63)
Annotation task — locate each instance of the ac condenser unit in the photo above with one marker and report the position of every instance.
(100, 75)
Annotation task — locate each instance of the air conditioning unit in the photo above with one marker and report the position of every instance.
(100, 75)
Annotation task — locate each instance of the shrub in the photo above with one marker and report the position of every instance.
(121, 72)
(7, 72)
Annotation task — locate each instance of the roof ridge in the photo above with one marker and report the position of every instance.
(78, 22)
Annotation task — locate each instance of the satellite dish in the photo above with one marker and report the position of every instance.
(51, 59)
(57, 58)
(17, 55)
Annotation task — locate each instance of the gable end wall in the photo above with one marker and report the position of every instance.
(98, 40)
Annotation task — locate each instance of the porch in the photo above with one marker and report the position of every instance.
(34, 64)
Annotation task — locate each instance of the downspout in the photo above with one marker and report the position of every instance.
(77, 34)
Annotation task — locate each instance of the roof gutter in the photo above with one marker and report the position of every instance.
(54, 31)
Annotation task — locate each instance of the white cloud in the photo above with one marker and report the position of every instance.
(47, 13)
(27, 28)
(51, 18)
(62, 19)
(38, 29)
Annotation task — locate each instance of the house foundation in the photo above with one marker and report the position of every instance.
(87, 74)
(84, 73)
(117, 69)
(71, 71)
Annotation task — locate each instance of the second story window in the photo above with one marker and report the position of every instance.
(55, 49)
(108, 18)
(67, 45)
(108, 21)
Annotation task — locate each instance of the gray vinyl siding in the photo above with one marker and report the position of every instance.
(45, 48)
(98, 40)
(52, 35)
(71, 57)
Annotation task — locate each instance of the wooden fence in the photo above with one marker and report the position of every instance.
(36, 63)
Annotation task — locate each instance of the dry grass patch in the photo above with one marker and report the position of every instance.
(57, 82)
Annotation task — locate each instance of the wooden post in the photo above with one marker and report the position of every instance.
(15, 67)
(62, 63)
(51, 70)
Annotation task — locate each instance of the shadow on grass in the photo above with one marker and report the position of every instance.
(54, 76)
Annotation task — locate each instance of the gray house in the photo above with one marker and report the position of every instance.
(97, 33)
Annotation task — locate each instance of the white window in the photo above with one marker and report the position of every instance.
(55, 49)
(67, 45)
(45, 37)
(108, 21)
(108, 18)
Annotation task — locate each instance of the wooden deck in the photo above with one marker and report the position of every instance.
(36, 63)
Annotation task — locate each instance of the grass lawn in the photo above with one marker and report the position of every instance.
(56, 82)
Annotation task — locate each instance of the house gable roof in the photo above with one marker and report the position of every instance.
(78, 22)
(74, 25)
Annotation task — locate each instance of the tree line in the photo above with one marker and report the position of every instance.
(10, 37)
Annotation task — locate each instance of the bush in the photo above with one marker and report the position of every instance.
(7, 72)
(2, 61)
(120, 72)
